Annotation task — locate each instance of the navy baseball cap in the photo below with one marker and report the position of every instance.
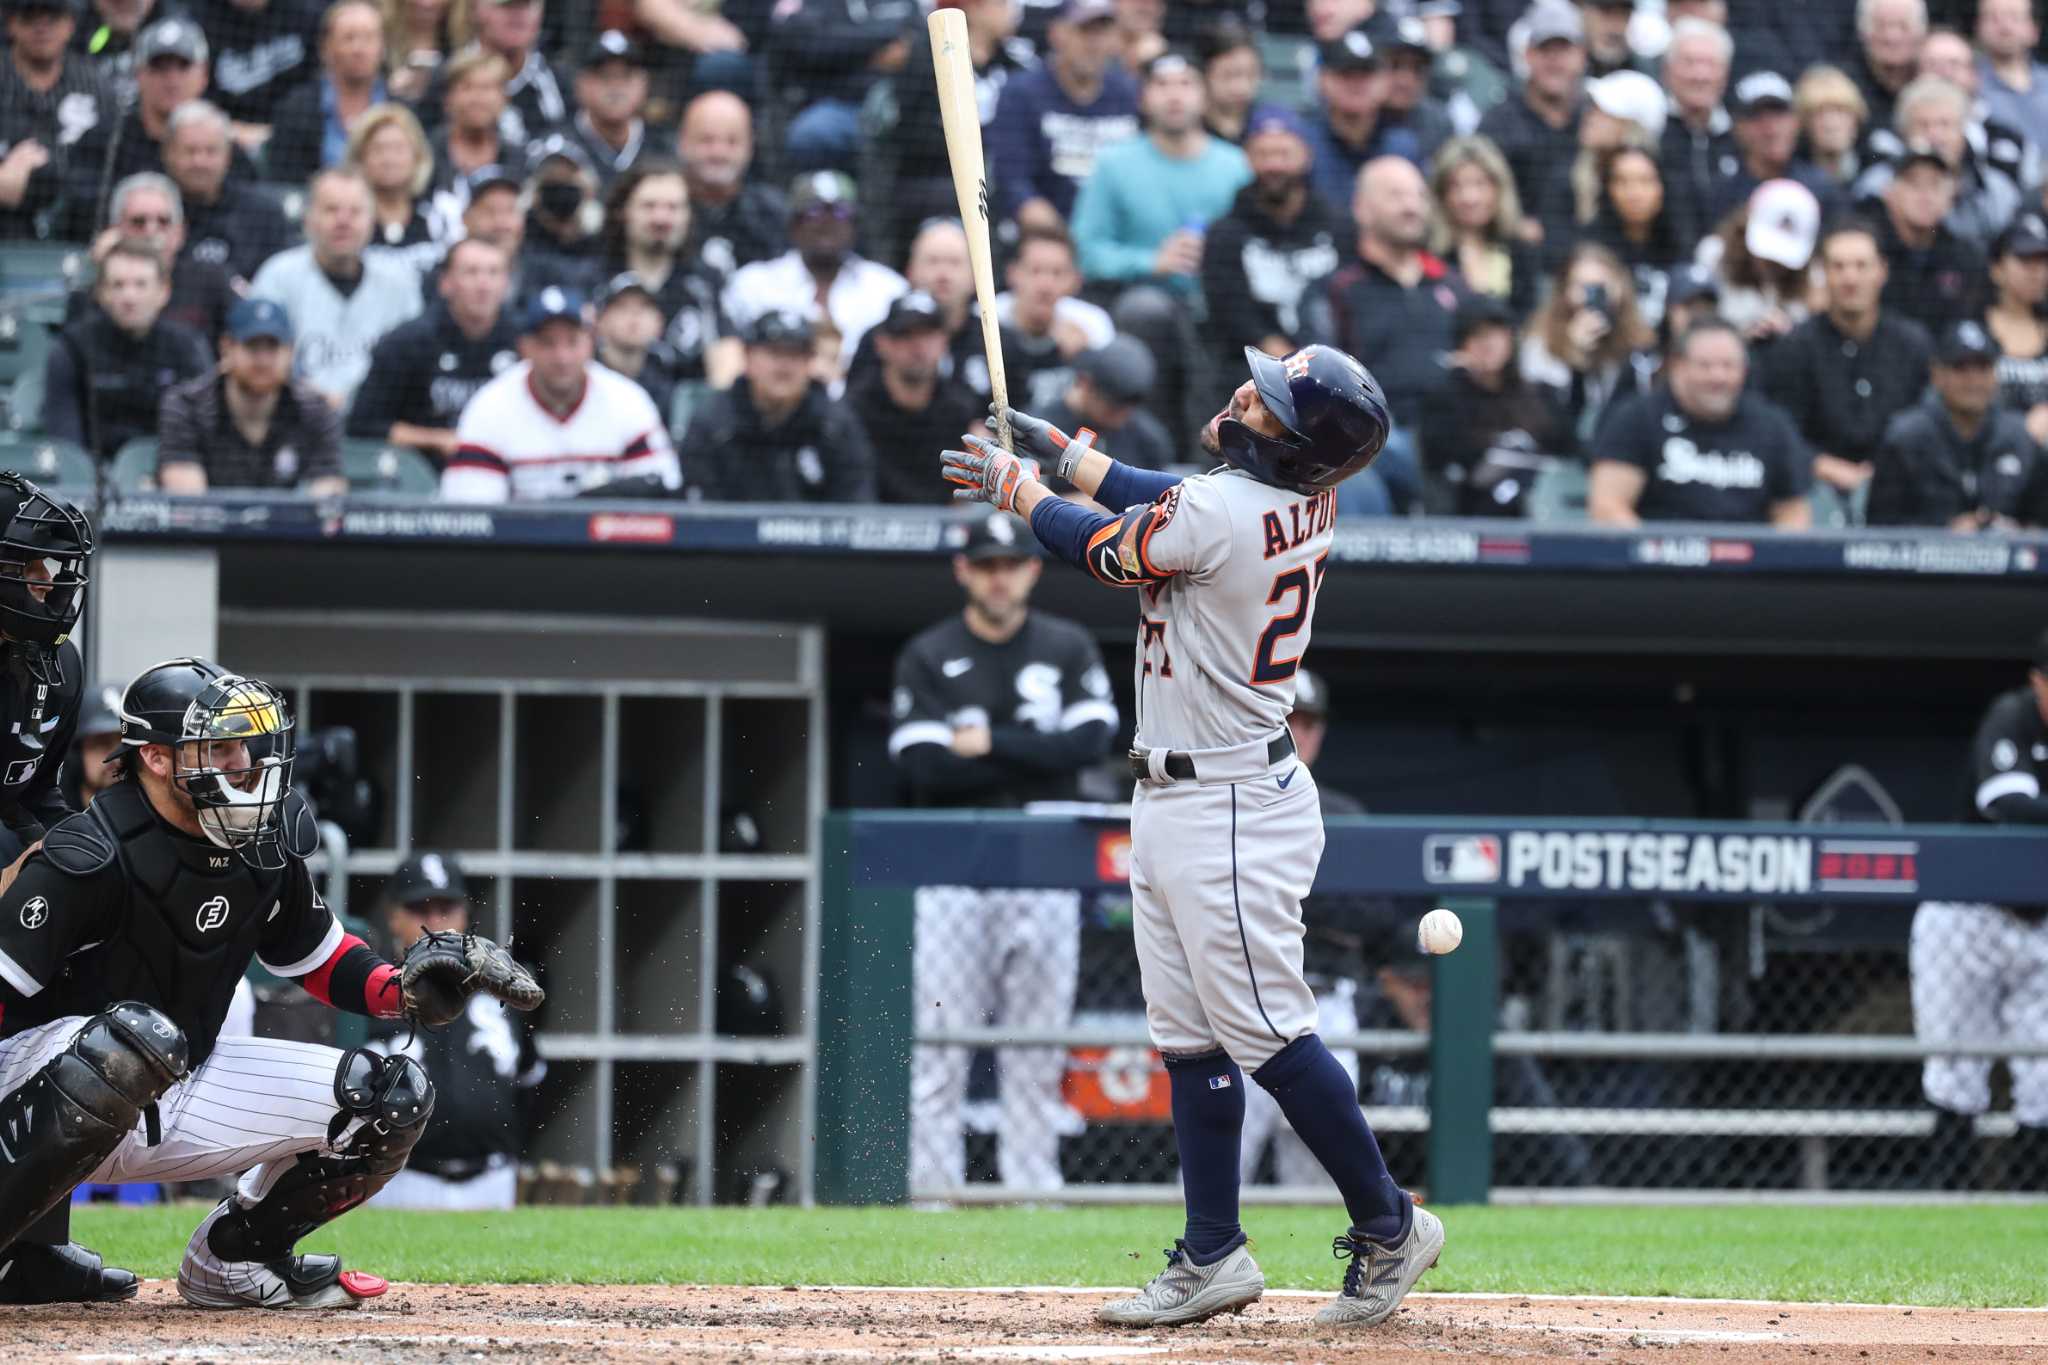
(916, 311)
(1274, 118)
(1352, 52)
(552, 304)
(253, 319)
(621, 284)
(781, 328)
(489, 178)
(2027, 237)
(1966, 343)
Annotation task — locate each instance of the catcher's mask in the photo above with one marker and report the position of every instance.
(232, 745)
(45, 563)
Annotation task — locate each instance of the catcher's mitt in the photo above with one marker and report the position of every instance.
(442, 970)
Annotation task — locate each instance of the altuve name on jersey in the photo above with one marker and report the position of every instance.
(1303, 522)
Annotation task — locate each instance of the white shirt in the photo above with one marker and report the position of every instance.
(513, 446)
(1094, 322)
(859, 298)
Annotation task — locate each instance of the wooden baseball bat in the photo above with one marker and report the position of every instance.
(953, 66)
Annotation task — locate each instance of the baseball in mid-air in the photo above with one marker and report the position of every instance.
(1440, 932)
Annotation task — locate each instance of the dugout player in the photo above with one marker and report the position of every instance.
(121, 942)
(998, 706)
(1226, 832)
(1980, 972)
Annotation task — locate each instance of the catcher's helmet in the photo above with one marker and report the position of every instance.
(1335, 416)
(232, 744)
(45, 562)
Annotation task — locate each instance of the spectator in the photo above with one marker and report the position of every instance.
(1046, 322)
(2019, 281)
(907, 407)
(50, 99)
(1476, 223)
(419, 35)
(1487, 432)
(1110, 387)
(1842, 374)
(260, 51)
(1138, 36)
(107, 371)
(1588, 346)
(558, 424)
(1762, 253)
(611, 104)
(483, 1061)
(820, 276)
(1409, 104)
(424, 372)
(629, 327)
(1888, 34)
(1934, 112)
(250, 424)
(826, 55)
(108, 36)
(1624, 109)
(775, 435)
(1232, 71)
(472, 90)
(939, 266)
(1700, 449)
(493, 216)
(924, 177)
(647, 220)
(2013, 84)
(734, 222)
(710, 48)
(1537, 129)
(147, 209)
(1832, 116)
(229, 225)
(534, 103)
(1767, 145)
(1279, 237)
(1937, 278)
(389, 150)
(310, 125)
(1607, 46)
(1695, 295)
(1391, 306)
(1956, 458)
(1050, 123)
(341, 301)
(1143, 213)
(1946, 54)
(1348, 128)
(1632, 222)
(1699, 149)
(565, 213)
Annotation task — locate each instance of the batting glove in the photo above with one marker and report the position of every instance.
(1044, 440)
(986, 473)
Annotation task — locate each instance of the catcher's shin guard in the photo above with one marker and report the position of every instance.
(70, 1116)
(394, 1098)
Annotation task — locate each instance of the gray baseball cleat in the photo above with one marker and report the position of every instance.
(1185, 1292)
(1379, 1275)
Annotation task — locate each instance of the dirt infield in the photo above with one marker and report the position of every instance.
(416, 1323)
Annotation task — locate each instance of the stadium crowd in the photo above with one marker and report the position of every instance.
(1713, 259)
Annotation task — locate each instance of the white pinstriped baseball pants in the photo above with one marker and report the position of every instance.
(1980, 973)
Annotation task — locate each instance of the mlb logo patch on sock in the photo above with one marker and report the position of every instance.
(1220, 1082)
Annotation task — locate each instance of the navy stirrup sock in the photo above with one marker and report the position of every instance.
(1321, 1101)
(1208, 1121)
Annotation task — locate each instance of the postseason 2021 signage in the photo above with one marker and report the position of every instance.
(1669, 863)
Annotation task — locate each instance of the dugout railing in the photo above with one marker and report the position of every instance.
(1777, 1111)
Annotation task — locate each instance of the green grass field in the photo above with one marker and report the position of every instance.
(1954, 1255)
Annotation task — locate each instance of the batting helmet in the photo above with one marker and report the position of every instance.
(45, 563)
(1334, 414)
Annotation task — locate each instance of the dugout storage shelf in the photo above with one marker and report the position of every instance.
(636, 806)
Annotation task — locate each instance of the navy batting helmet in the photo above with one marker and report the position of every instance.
(1335, 417)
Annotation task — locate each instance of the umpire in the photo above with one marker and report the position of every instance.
(997, 706)
(1980, 972)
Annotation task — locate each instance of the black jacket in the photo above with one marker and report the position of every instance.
(237, 232)
(1927, 474)
(298, 128)
(426, 371)
(906, 443)
(818, 453)
(1697, 165)
(1255, 269)
(1399, 333)
(258, 54)
(1483, 447)
(753, 226)
(106, 156)
(1536, 153)
(1842, 394)
(102, 387)
(821, 48)
(1943, 283)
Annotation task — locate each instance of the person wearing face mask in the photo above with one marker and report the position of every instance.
(108, 370)
(563, 213)
(821, 270)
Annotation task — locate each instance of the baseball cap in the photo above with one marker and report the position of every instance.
(623, 283)
(99, 710)
(1122, 368)
(40, 7)
(1694, 282)
(784, 328)
(1633, 98)
(1552, 21)
(1477, 311)
(1274, 118)
(1917, 153)
(820, 187)
(1353, 51)
(251, 319)
(1391, 33)
(1760, 91)
(1311, 694)
(1784, 223)
(613, 46)
(558, 147)
(174, 37)
(552, 304)
(1085, 11)
(999, 536)
(1168, 63)
(2027, 237)
(1966, 343)
(427, 877)
(916, 311)
(489, 178)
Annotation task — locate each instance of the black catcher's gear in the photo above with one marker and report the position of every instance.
(1335, 415)
(70, 1116)
(442, 970)
(45, 563)
(33, 1272)
(234, 744)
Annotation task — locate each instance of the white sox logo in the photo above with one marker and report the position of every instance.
(35, 913)
(213, 914)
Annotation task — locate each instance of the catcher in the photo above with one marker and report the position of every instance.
(121, 941)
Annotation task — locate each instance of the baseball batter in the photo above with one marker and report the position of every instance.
(1226, 825)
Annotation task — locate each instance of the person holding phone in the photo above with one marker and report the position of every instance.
(1589, 344)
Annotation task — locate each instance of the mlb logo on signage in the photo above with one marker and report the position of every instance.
(1464, 858)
